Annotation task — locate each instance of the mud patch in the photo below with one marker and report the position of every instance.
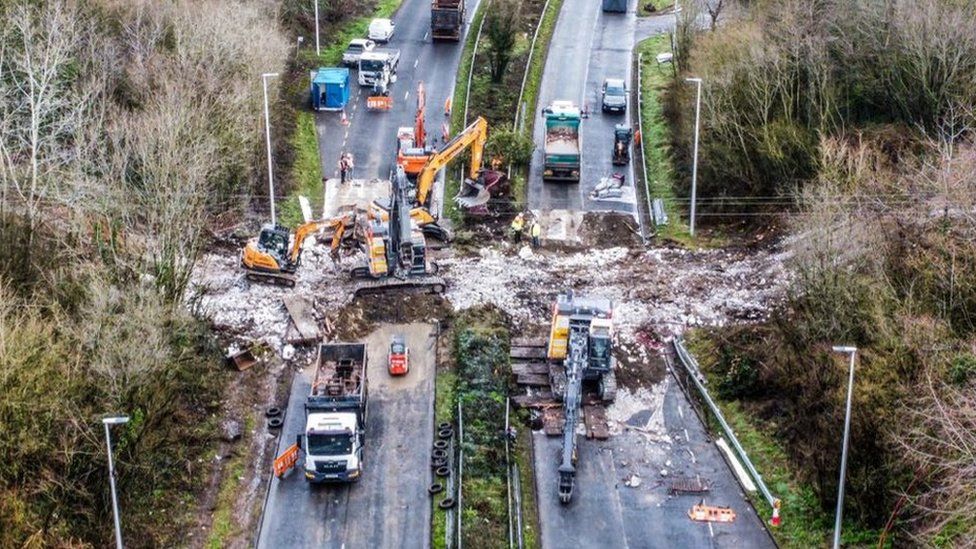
(609, 230)
(360, 316)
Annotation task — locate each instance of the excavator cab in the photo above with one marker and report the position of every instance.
(274, 240)
(622, 136)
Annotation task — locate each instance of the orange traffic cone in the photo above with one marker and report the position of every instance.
(447, 107)
(775, 521)
(344, 121)
(445, 132)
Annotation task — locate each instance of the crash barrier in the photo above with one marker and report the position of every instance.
(286, 461)
(691, 366)
(708, 513)
(379, 103)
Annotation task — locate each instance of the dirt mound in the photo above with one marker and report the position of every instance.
(358, 318)
(609, 230)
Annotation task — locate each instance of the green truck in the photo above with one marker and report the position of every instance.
(562, 158)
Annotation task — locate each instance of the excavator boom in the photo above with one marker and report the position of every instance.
(474, 136)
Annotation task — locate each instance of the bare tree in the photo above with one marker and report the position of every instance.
(714, 9)
(501, 29)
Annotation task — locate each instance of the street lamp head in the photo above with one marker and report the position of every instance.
(694, 79)
(269, 74)
(118, 420)
(844, 349)
(301, 39)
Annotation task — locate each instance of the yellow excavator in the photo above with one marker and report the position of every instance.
(275, 255)
(474, 136)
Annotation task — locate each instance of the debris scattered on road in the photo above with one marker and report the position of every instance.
(633, 481)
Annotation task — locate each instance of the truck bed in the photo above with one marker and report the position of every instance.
(340, 371)
(562, 145)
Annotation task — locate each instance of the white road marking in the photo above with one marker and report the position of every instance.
(711, 532)
(406, 94)
(681, 412)
(346, 137)
(415, 62)
(687, 438)
(426, 34)
(692, 454)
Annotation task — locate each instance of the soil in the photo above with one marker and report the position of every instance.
(363, 314)
(607, 230)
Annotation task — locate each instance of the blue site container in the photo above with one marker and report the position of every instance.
(330, 89)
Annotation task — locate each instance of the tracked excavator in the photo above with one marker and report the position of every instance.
(396, 249)
(274, 256)
(580, 363)
(412, 150)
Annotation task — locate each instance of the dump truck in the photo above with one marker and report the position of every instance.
(562, 159)
(335, 414)
(580, 355)
(378, 66)
(446, 19)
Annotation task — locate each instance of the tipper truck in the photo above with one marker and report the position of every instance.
(335, 414)
(378, 67)
(446, 19)
(562, 151)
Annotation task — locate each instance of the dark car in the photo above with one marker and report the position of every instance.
(614, 95)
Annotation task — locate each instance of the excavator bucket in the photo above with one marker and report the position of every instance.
(475, 196)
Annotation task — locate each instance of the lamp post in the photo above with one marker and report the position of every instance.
(316, 2)
(843, 454)
(267, 135)
(108, 421)
(298, 42)
(694, 166)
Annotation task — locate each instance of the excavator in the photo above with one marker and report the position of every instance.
(274, 256)
(579, 354)
(396, 249)
(412, 150)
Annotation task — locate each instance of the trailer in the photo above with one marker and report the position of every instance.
(335, 414)
(446, 19)
(329, 90)
(562, 153)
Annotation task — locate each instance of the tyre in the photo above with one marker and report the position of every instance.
(440, 445)
(444, 425)
(445, 433)
(443, 471)
(439, 454)
(446, 503)
(437, 463)
(435, 488)
(273, 411)
(275, 423)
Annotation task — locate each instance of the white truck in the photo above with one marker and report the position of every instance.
(378, 66)
(335, 414)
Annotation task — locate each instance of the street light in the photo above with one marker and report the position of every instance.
(267, 135)
(299, 42)
(694, 167)
(316, 2)
(107, 421)
(843, 454)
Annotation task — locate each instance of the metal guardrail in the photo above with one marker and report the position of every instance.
(519, 106)
(474, 54)
(694, 372)
(460, 479)
(640, 130)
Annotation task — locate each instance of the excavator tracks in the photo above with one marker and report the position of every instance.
(282, 279)
(421, 285)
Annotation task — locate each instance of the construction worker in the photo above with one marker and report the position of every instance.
(343, 168)
(535, 230)
(518, 224)
(637, 138)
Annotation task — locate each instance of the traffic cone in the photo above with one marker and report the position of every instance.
(447, 107)
(775, 521)
(445, 132)
(344, 121)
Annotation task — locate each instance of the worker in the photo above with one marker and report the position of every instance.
(447, 107)
(637, 137)
(518, 224)
(343, 168)
(535, 230)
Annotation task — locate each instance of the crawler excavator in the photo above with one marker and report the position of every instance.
(412, 150)
(275, 255)
(396, 249)
(580, 358)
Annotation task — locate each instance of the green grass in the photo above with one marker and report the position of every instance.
(804, 522)
(530, 509)
(307, 171)
(225, 523)
(537, 64)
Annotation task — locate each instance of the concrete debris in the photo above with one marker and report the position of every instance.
(633, 481)
(231, 430)
(288, 352)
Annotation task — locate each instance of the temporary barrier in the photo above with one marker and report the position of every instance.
(379, 103)
(286, 461)
(708, 513)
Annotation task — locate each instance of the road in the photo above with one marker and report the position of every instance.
(605, 41)
(389, 506)
(607, 513)
(371, 136)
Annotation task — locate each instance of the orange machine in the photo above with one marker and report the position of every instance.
(270, 258)
(412, 151)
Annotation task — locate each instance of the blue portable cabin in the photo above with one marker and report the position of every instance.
(330, 89)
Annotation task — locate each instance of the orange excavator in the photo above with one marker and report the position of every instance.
(274, 256)
(412, 150)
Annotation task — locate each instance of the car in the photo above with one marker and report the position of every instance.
(614, 95)
(356, 48)
(381, 30)
(399, 359)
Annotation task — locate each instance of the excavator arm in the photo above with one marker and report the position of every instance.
(474, 136)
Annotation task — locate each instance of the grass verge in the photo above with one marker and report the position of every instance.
(804, 522)
(306, 171)
(445, 387)
(642, 6)
(530, 509)
(225, 525)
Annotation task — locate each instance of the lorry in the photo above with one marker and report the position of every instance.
(378, 66)
(446, 19)
(580, 356)
(329, 90)
(617, 6)
(562, 159)
(335, 414)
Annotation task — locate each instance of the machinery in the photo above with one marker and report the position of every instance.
(335, 414)
(562, 158)
(622, 136)
(396, 248)
(378, 66)
(580, 357)
(446, 19)
(412, 151)
(275, 254)
(398, 360)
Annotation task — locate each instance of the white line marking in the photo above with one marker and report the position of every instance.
(692, 454)
(744, 479)
(426, 34)
(406, 94)
(711, 532)
(681, 412)
(415, 62)
(345, 137)
(687, 438)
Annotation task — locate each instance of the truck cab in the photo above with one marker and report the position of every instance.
(333, 447)
(378, 66)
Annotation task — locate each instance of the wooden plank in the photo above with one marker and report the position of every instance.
(527, 352)
(533, 380)
(542, 400)
(538, 368)
(595, 419)
(553, 421)
(300, 312)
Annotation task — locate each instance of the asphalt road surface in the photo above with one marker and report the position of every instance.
(388, 506)
(605, 41)
(371, 135)
(605, 512)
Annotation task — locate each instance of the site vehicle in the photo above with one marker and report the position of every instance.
(618, 6)
(412, 150)
(381, 30)
(396, 248)
(446, 19)
(356, 48)
(622, 136)
(335, 414)
(561, 158)
(399, 358)
(614, 95)
(580, 350)
(378, 67)
(276, 253)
